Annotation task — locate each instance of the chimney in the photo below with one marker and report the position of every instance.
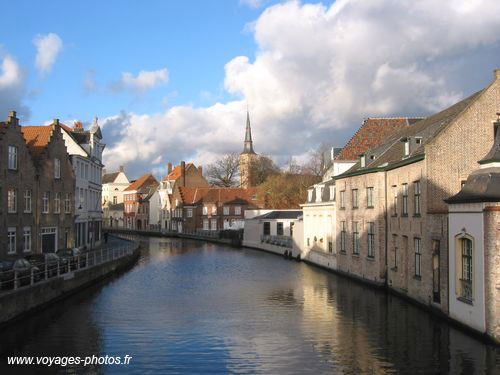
(496, 74)
(169, 168)
(200, 170)
(121, 169)
(13, 120)
(183, 173)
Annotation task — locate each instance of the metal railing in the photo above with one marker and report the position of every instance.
(14, 279)
(283, 241)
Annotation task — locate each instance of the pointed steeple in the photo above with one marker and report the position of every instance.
(248, 145)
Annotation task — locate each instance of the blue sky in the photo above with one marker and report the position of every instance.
(171, 80)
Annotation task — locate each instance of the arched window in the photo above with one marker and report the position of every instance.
(464, 258)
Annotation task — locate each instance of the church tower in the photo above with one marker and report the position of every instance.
(247, 157)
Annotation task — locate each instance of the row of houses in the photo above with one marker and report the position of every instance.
(182, 202)
(410, 204)
(50, 189)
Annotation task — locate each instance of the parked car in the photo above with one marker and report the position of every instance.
(39, 260)
(23, 268)
(71, 256)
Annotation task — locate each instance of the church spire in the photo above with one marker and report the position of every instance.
(248, 145)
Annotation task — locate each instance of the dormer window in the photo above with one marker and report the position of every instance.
(418, 140)
(332, 192)
(309, 195)
(372, 157)
(406, 147)
(319, 193)
(363, 161)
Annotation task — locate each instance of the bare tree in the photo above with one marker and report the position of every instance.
(225, 171)
(318, 162)
(261, 168)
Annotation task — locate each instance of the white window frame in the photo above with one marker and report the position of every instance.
(45, 202)
(225, 210)
(189, 212)
(27, 201)
(214, 210)
(205, 210)
(237, 210)
(12, 201)
(13, 162)
(67, 204)
(11, 240)
(57, 203)
(27, 239)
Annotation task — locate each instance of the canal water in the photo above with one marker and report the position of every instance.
(189, 307)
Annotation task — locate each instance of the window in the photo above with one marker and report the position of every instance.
(12, 201)
(309, 195)
(267, 228)
(57, 203)
(332, 192)
(330, 246)
(404, 207)
(467, 269)
(279, 229)
(395, 201)
(363, 161)
(237, 210)
(416, 187)
(342, 236)
(371, 240)
(11, 236)
(395, 247)
(27, 201)
(342, 199)
(319, 193)
(213, 224)
(205, 224)
(226, 210)
(57, 168)
(407, 147)
(354, 198)
(27, 239)
(214, 210)
(205, 210)
(115, 199)
(369, 197)
(189, 212)
(45, 202)
(13, 157)
(418, 257)
(355, 238)
(67, 204)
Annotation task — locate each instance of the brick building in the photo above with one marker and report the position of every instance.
(18, 192)
(392, 221)
(54, 203)
(208, 208)
(136, 202)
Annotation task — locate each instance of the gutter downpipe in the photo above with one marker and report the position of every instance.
(386, 232)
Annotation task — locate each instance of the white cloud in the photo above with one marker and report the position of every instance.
(144, 81)
(254, 4)
(319, 70)
(12, 88)
(48, 48)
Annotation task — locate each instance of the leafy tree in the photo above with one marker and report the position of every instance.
(224, 172)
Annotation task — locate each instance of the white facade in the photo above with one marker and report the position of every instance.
(467, 302)
(155, 211)
(85, 150)
(113, 191)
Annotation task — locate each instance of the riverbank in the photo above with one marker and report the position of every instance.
(18, 303)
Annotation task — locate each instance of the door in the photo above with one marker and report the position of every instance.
(436, 282)
(48, 240)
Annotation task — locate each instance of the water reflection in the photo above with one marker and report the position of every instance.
(193, 307)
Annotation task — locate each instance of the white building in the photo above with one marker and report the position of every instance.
(275, 231)
(85, 150)
(155, 209)
(474, 256)
(113, 185)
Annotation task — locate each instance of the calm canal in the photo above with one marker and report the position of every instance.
(190, 307)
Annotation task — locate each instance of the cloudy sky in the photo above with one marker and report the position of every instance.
(171, 81)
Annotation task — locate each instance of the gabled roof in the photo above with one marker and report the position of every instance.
(372, 133)
(176, 173)
(217, 195)
(391, 153)
(37, 137)
(109, 178)
(142, 182)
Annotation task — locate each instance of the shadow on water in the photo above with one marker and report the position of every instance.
(194, 307)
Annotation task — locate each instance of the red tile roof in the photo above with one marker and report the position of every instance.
(176, 173)
(191, 195)
(372, 133)
(143, 181)
(37, 137)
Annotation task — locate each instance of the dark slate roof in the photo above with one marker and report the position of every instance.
(280, 215)
(483, 185)
(326, 192)
(392, 150)
(109, 177)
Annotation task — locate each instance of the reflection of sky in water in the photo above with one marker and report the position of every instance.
(190, 307)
